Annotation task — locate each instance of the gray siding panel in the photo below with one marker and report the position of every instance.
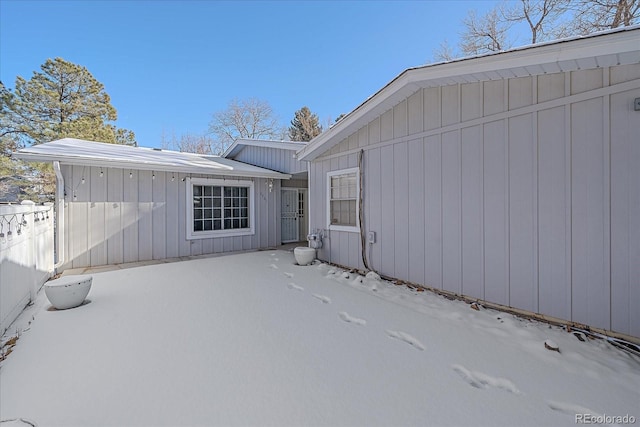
(496, 214)
(416, 210)
(472, 213)
(625, 215)
(116, 219)
(523, 285)
(590, 287)
(451, 213)
(401, 207)
(271, 158)
(476, 189)
(433, 211)
(554, 285)
(387, 239)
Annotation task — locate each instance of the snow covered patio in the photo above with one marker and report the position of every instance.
(252, 339)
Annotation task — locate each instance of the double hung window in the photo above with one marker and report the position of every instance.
(343, 200)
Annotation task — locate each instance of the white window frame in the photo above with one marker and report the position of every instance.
(191, 234)
(348, 228)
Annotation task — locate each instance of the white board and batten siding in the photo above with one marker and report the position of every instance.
(523, 192)
(116, 219)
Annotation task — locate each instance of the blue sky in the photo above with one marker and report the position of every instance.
(168, 66)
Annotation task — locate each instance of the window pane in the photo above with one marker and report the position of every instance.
(208, 225)
(244, 223)
(217, 224)
(217, 213)
(207, 190)
(244, 192)
(197, 226)
(236, 223)
(227, 224)
(197, 214)
(208, 202)
(227, 191)
(217, 191)
(343, 212)
(208, 213)
(227, 213)
(197, 190)
(217, 202)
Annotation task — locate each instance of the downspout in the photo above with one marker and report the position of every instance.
(59, 217)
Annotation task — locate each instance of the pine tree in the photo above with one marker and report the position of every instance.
(304, 126)
(63, 100)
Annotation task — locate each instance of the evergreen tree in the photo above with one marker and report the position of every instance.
(304, 126)
(63, 100)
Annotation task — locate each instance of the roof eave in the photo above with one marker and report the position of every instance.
(412, 79)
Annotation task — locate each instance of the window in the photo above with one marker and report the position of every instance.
(343, 200)
(219, 208)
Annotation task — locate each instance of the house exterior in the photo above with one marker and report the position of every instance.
(280, 156)
(118, 204)
(512, 178)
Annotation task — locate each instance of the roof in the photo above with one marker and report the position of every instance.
(614, 47)
(240, 143)
(72, 151)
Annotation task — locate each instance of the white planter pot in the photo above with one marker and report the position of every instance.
(304, 256)
(68, 292)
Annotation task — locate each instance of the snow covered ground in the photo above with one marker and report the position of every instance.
(252, 339)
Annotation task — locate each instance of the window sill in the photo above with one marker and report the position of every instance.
(347, 228)
(219, 233)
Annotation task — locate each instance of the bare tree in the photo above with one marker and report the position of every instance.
(590, 16)
(444, 52)
(250, 118)
(188, 143)
(538, 14)
(484, 34)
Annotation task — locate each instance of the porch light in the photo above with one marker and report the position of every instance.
(130, 174)
(23, 221)
(173, 177)
(101, 173)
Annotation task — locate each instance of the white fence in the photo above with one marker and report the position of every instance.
(26, 256)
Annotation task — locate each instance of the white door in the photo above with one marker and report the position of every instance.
(289, 212)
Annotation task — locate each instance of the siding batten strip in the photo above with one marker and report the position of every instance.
(606, 142)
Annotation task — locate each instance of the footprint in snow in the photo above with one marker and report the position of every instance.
(323, 298)
(289, 275)
(294, 286)
(480, 380)
(276, 259)
(350, 319)
(275, 267)
(571, 409)
(403, 336)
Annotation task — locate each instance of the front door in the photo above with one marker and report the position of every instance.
(289, 212)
